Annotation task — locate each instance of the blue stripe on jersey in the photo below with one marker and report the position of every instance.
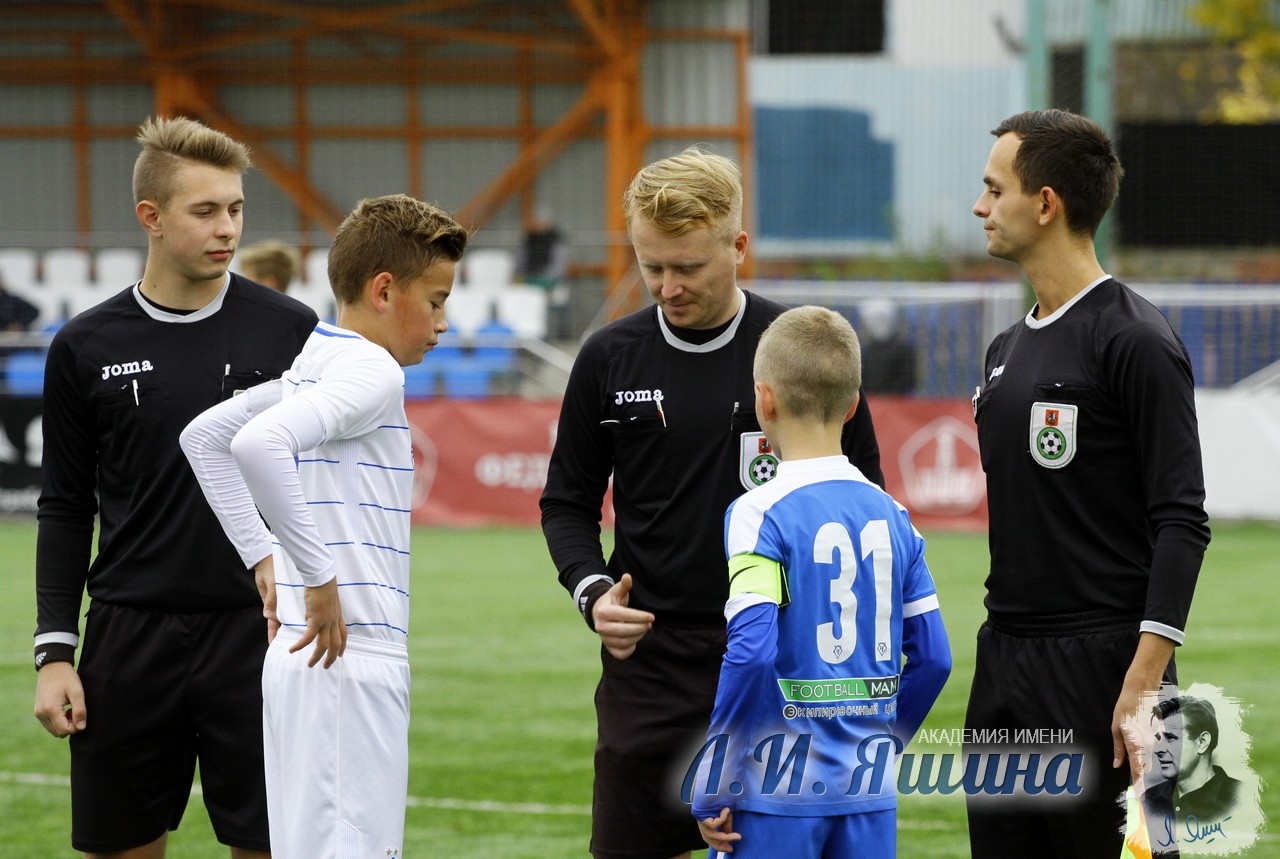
(348, 585)
(339, 503)
(383, 625)
(372, 585)
(328, 461)
(387, 548)
(330, 332)
(384, 467)
(392, 426)
(385, 509)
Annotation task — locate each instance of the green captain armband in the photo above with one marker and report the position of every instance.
(756, 574)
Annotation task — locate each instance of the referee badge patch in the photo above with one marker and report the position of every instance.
(757, 463)
(1053, 433)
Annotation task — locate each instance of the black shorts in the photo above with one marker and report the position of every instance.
(1037, 677)
(161, 691)
(652, 713)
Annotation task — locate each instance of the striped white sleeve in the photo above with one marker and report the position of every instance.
(266, 451)
(206, 441)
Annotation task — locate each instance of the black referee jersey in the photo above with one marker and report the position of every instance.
(676, 461)
(1088, 435)
(120, 385)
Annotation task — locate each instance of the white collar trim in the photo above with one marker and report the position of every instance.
(711, 345)
(1031, 320)
(195, 316)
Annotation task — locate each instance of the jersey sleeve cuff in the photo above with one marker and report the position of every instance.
(1177, 636)
(315, 580)
(920, 606)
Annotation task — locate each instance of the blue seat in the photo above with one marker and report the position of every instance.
(24, 374)
(467, 382)
(495, 357)
(419, 380)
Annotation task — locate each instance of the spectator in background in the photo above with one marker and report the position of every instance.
(271, 263)
(542, 262)
(888, 358)
(16, 313)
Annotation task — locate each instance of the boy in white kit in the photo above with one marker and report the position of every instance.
(324, 453)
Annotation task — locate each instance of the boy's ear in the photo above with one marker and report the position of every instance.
(768, 401)
(853, 408)
(378, 290)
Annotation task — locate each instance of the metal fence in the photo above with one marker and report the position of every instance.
(1232, 332)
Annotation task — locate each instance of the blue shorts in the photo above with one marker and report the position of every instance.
(868, 835)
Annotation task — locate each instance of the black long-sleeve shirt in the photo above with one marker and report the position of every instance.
(1088, 435)
(675, 468)
(121, 382)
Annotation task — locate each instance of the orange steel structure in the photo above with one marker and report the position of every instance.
(186, 50)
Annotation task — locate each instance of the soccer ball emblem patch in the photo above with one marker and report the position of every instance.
(1054, 431)
(757, 461)
(1052, 444)
(763, 468)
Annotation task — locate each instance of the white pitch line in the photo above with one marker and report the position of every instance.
(484, 805)
(442, 803)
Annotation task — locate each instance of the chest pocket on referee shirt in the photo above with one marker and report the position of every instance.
(1055, 422)
(130, 415)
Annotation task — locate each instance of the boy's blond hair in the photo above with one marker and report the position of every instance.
(811, 358)
(396, 234)
(685, 192)
(270, 260)
(167, 142)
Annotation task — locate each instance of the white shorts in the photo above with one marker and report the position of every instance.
(337, 751)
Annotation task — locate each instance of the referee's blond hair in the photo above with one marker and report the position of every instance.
(811, 358)
(694, 189)
(167, 143)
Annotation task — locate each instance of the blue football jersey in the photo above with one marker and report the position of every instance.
(824, 567)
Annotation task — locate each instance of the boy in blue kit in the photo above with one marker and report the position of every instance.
(828, 590)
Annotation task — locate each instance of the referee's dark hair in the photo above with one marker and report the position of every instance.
(1070, 154)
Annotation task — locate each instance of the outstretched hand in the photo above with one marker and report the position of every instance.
(620, 628)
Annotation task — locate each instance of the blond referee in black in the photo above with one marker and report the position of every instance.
(663, 401)
(170, 667)
(1087, 429)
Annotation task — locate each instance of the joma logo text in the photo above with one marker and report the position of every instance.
(621, 397)
(126, 368)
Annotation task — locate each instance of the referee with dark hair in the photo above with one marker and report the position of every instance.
(1088, 435)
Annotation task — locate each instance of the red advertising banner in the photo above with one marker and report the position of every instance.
(484, 462)
(929, 454)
